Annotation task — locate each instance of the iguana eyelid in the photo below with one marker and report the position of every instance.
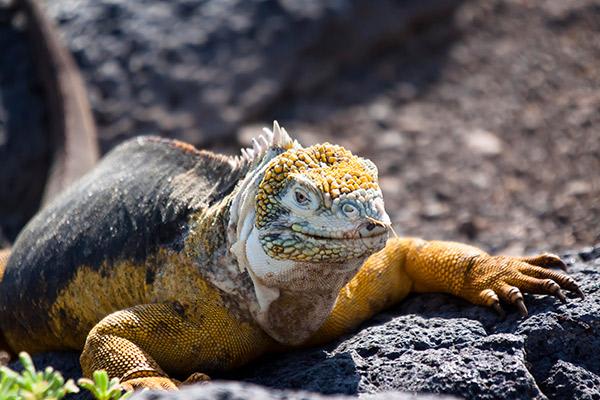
(303, 184)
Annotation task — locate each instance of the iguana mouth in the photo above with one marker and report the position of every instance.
(344, 237)
(300, 246)
(364, 231)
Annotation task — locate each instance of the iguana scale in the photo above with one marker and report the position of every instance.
(166, 261)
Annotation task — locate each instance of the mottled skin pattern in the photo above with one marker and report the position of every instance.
(167, 262)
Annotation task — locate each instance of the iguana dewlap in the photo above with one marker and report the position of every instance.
(166, 260)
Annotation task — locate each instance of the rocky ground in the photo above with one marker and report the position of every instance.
(241, 391)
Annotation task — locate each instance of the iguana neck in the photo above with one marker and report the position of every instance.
(303, 305)
(294, 302)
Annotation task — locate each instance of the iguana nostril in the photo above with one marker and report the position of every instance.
(369, 229)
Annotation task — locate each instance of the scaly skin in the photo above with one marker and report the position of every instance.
(167, 261)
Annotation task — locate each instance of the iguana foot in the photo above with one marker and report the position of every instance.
(151, 382)
(504, 278)
(196, 377)
(162, 383)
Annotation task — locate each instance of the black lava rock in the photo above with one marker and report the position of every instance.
(242, 391)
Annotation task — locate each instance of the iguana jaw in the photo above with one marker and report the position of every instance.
(328, 235)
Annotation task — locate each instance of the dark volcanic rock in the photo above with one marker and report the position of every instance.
(570, 381)
(196, 69)
(241, 391)
(438, 344)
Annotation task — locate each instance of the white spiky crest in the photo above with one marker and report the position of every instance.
(278, 137)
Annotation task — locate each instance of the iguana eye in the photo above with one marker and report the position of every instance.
(301, 197)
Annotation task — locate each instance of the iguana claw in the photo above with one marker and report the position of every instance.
(498, 308)
(521, 307)
(560, 295)
(514, 275)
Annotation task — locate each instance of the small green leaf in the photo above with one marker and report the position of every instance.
(102, 388)
(27, 362)
(101, 378)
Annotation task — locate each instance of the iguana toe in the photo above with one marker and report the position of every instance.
(546, 260)
(504, 278)
(558, 280)
(152, 383)
(512, 295)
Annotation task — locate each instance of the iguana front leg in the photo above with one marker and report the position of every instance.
(474, 275)
(411, 264)
(130, 344)
(141, 344)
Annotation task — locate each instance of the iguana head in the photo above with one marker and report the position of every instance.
(302, 222)
(320, 205)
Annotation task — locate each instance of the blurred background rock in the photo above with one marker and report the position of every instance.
(481, 115)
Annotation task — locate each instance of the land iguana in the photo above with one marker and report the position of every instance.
(166, 261)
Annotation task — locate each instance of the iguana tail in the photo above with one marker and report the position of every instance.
(5, 350)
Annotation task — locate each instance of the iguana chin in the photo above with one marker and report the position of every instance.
(166, 261)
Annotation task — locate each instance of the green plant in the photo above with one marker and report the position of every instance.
(50, 384)
(33, 385)
(9, 388)
(102, 388)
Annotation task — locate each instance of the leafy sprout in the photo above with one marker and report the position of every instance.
(102, 388)
(34, 385)
(49, 384)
